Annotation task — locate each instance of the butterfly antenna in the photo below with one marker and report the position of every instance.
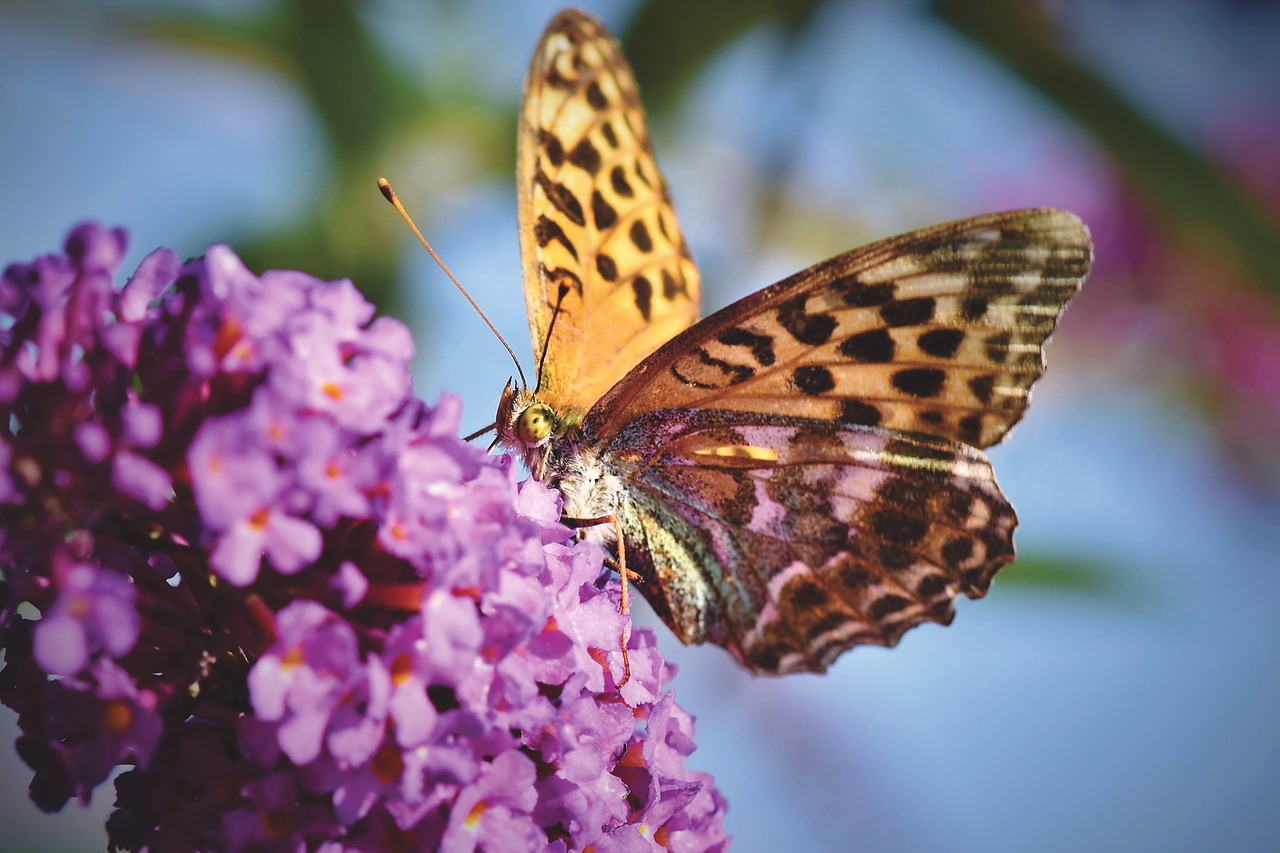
(546, 342)
(390, 195)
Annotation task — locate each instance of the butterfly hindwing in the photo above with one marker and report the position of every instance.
(939, 331)
(597, 229)
(788, 540)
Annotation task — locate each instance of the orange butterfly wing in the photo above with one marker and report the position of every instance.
(598, 235)
(940, 331)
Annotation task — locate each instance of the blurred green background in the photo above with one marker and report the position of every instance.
(1117, 690)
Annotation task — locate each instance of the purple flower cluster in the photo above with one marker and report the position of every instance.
(239, 557)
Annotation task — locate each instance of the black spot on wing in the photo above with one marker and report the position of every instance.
(997, 347)
(856, 295)
(551, 147)
(761, 346)
(941, 343)
(812, 329)
(920, 381)
(908, 312)
(601, 211)
(931, 586)
(813, 379)
(855, 576)
(733, 373)
(957, 550)
(595, 97)
(806, 593)
(606, 266)
(670, 287)
(982, 386)
(891, 524)
(606, 129)
(764, 657)
(970, 428)
(871, 347)
(585, 156)
(556, 80)
(562, 199)
(618, 180)
(973, 308)
(858, 412)
(643, 291)
(546, 231)
(640, 238)
(888, 605)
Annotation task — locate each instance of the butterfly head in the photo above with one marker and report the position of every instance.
(528, 425)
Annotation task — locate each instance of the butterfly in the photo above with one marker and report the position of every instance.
(800, 472)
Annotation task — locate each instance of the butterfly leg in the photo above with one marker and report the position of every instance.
(580, 523)
(627, 575)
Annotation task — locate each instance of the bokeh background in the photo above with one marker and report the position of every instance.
(1118, 690)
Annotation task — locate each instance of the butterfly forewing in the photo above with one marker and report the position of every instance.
(940, 331)
(788, 541)
(597, 229)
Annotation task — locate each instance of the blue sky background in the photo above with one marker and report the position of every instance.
(1139, 714)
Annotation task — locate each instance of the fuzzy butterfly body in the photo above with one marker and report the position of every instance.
(801, 471)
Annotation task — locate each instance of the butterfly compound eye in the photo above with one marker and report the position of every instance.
(535, 423)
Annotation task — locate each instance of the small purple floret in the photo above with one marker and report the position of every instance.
(93, 613)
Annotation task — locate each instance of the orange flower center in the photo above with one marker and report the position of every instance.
(117, 716)
(473, 817)
(388, 765)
